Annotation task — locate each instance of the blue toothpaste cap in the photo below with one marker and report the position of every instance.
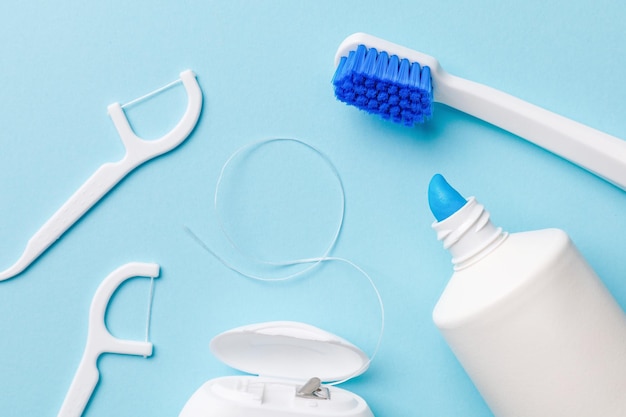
(443, 200)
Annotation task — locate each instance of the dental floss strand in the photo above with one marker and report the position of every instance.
(149, 312)
(314, 261)
(151, 94)
(532, 324)
(222, 226)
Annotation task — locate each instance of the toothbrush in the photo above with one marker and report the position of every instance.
(401, 84)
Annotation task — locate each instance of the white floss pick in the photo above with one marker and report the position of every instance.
(311, 262)
(138, 151)
(100, 340)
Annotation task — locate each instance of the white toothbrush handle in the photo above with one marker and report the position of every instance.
(598, 152)
(101, 182)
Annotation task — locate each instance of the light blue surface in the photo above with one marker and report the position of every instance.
(265, 69)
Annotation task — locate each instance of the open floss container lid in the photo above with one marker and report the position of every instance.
(288, 361)
(289, 350)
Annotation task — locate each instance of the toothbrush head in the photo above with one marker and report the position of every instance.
(382, 82)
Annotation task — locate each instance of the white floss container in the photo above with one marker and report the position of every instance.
(532, 324)
(289, 361)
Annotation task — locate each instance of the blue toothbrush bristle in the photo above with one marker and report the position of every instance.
(393, 88)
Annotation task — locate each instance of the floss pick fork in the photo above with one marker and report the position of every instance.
(100, 341)
(138, 151)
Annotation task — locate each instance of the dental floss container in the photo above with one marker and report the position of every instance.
(290, 361)
(526, 316)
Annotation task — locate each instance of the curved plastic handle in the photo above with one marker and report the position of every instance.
(108, 175)
(100, 341)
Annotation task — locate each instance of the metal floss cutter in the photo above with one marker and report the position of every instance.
(291, 359)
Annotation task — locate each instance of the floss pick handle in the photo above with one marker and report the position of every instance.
(100, 341)
(138, 151)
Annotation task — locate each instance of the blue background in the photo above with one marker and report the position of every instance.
(265, 70)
